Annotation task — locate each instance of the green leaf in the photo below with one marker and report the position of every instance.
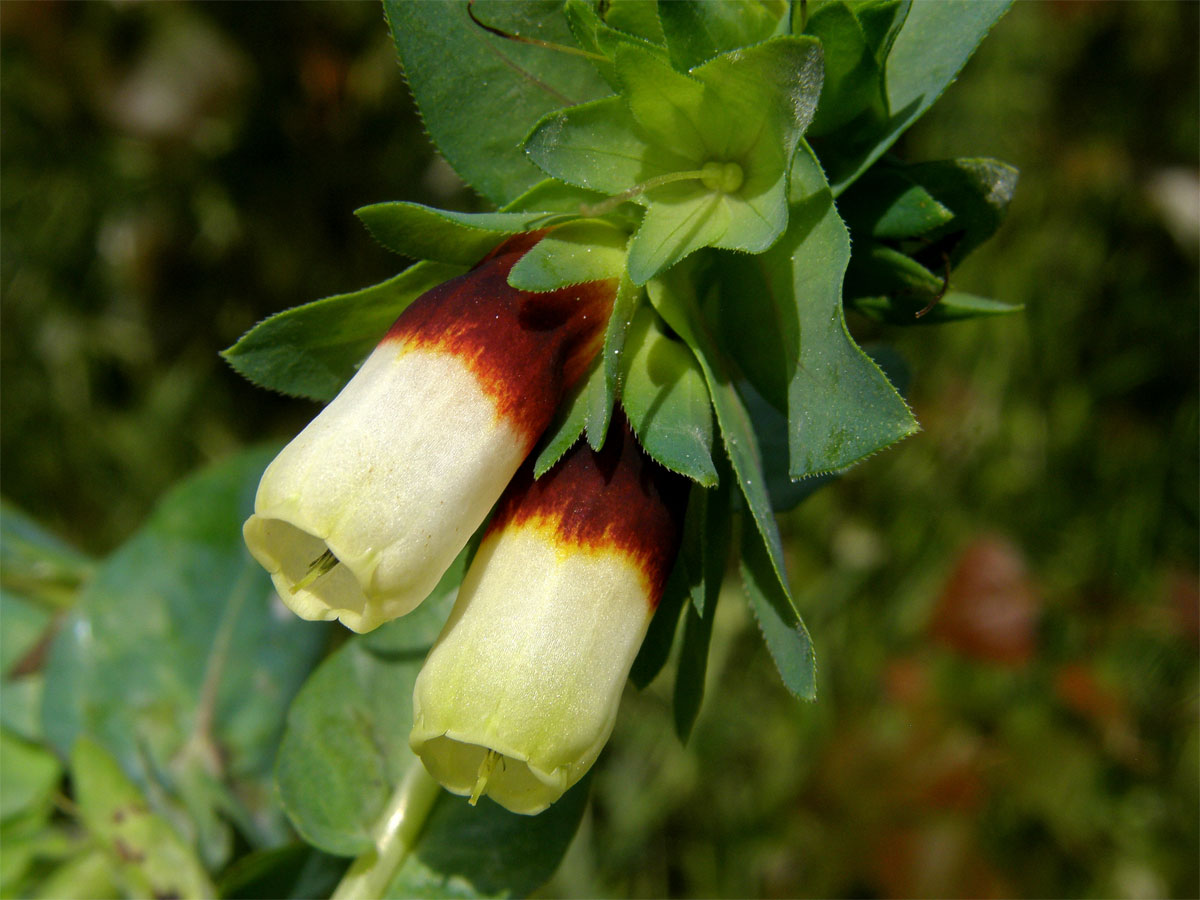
(666, 400)
(771, 427)
(930, 49)
(293, 871)
(36, 563)
(698, 30)
(554, 196)
(600, 38)
(978, 191)
(486, 851)
(887, 204)
(841, 407)
(656, 647)
(313, 350)
(25, 626)
(693, 665)
(479, 108)
(422, 232)
(149, 857)
(180, 660)
(853, 90)
(706, 153)
(955, 306)
(711, 510)
(784, 633)
(345, 748)
(346, 752)
(569, 420)
(671, 296)
(603, 396)
(636, 17)
(571, 254)
(598, 146)
(28, 778)
(881, 21)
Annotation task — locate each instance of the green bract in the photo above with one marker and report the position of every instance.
(706, 152)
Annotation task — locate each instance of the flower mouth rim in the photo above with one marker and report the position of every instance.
(507, 788)
(316, 601)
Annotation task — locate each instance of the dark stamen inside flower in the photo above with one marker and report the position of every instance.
(318, 567)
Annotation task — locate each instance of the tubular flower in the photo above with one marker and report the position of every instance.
(361, 514)
(520, 692)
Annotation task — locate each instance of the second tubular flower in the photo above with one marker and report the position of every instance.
(361, 514)
(520, 692)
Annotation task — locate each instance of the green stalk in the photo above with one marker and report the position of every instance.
(395, 836)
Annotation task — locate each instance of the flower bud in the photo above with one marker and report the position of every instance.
(520, 692)
(361, 514)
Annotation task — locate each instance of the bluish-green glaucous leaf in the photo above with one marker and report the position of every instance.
(180, 659)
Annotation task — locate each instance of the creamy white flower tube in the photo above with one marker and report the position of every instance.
(361, 514)
(520, 692)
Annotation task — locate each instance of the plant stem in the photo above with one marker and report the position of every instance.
(396, 834)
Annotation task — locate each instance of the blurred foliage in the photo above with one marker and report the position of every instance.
(1005, 607)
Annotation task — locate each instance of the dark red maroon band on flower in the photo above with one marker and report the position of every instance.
(526, 348)
(617, 499)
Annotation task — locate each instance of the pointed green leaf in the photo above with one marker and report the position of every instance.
(932, 46)
(853, 90)
(569, 420)
(955, 306)
(36, 563)
(977, 191)
(784, 633)
(150, 858)
(590, 250)
(422, 232)
(313, 350)
(887, 204)
(599, 37)
(597, 146)
(672, 299)
(708, 529)
(478, 109)
(841, 407)
(666, 400)
(881, 21)
(602, 396)
(636, 17)
(656, 647)
(698, 30)
(677, 225)
(693, 666)
(158, 658)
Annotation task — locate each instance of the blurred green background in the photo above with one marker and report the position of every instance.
(1005, 607)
